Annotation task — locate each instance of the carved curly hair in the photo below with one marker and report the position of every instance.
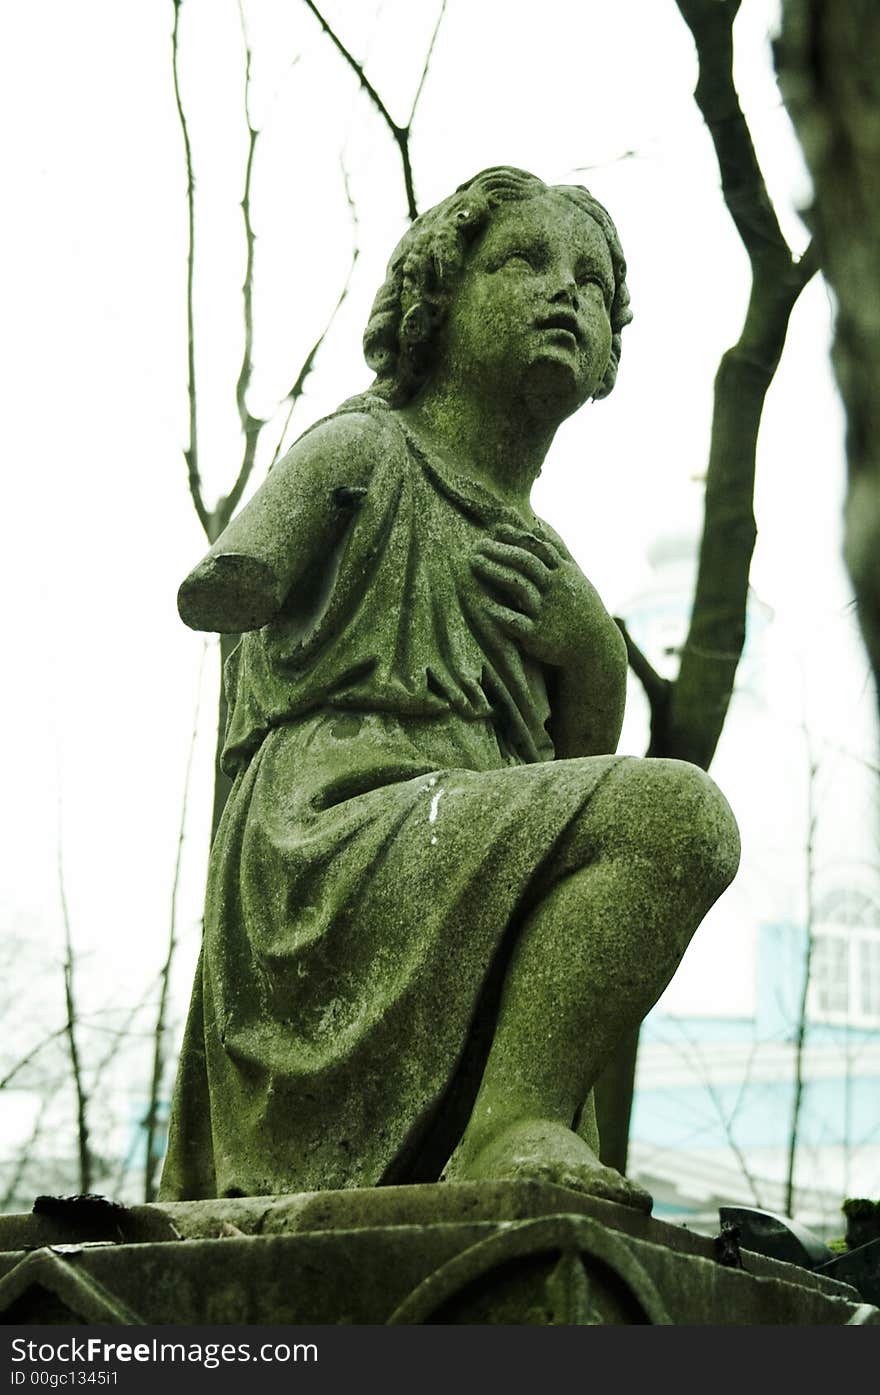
(401, 334)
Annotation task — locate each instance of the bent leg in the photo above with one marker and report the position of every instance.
(653, 850)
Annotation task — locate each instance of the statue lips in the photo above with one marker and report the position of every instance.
(565, 320)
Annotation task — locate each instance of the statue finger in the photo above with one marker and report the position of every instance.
(512, 622)
(518, 558)
(511, 584)
(521, 537)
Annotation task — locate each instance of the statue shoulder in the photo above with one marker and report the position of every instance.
(343, 447)
(296, 516)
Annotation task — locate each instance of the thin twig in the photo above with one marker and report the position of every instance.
(123, 1033)
(120, 1034)
(31, 1055)
(102, 1065)
(654, 685)
(612, 160)
(400, 134)
(117, 1034)
(852, 755)
(428, 56)
(308, 362)
(165, 975)
(356, 68)
(82, 1126)
(276, 91)
(727, 1120)
(191, 454)
(26, 1154)
(251, 426)
(658, 690)
(800, 1037)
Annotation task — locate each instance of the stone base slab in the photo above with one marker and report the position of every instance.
(505, 1252)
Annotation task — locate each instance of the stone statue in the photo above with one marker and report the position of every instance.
(436, 899)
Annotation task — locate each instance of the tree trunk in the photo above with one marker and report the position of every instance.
(829, 69)
(688, 714)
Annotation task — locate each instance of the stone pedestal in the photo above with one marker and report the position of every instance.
(506, 1252)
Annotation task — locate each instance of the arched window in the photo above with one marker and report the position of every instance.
(845, 965)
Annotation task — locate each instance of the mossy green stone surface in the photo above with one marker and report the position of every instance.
(489, 1253)
(437, 898)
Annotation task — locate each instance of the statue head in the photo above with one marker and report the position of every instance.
(403, 333)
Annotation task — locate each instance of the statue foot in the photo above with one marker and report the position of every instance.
(543, 1151)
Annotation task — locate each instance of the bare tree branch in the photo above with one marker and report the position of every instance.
(852, 755)
(214, 521)
(702, 690)
(152, 1158)
(711, 24)
(26, 1154)
(31, 1055)
(400, 134)
(251, 426)
(658, 690)
(650, 679)
(308, 362)
(357, 69)
(687, 717)
(800, 1035)
(725, 1118)
(123, 1033)
(428, 56)
(82, 1126)
(191, 454)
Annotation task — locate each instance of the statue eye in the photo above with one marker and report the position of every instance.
(592, 278)
(523, 258)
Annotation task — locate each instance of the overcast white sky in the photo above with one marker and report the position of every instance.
(101, 677)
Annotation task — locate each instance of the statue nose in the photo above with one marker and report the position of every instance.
(567, 292)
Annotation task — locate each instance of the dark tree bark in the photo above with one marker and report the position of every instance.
(688, 713)
(829, 68)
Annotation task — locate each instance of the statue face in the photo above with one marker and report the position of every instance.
(530, 319)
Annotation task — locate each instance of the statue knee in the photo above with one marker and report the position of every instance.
(700, 838)
(672, 816)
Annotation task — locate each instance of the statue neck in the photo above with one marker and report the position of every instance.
(485, 441)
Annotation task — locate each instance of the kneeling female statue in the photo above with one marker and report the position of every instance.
(436, 899)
